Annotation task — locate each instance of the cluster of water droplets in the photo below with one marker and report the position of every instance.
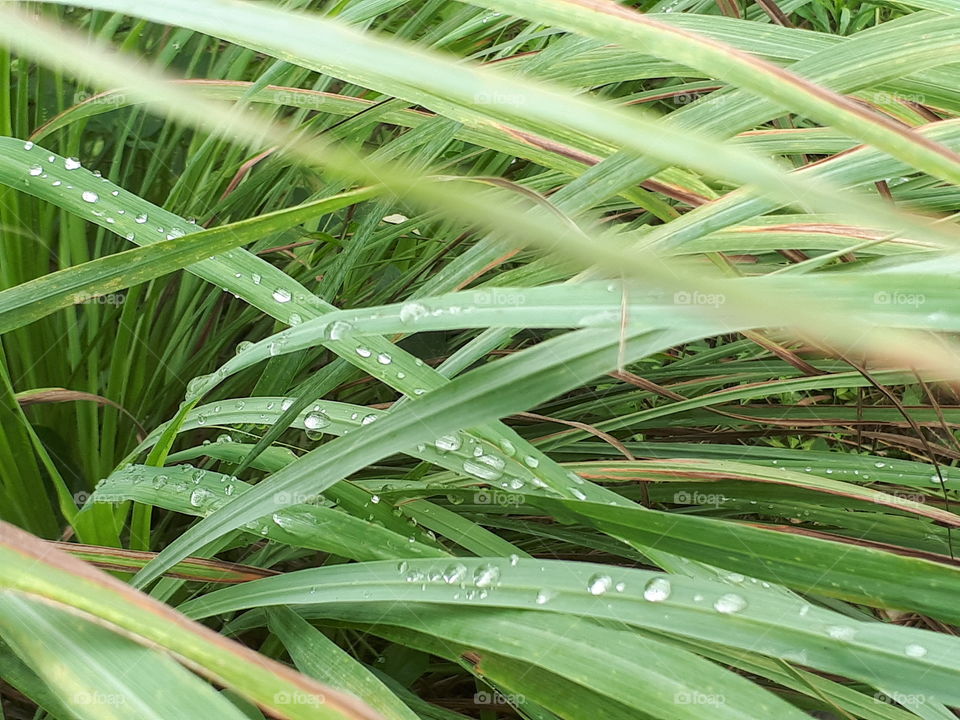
(184, 481)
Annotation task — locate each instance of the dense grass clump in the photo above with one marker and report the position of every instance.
(423, 359)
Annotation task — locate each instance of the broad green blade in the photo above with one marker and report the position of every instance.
(102, 674)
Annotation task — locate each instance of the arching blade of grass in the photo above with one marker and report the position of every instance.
(196, 569)
(611, 305)
(745, 616)
(104, 674)
(577, 650)
(352, 499)
(858, 166)
(793, 560)
(452, 90)
(726, 470)
(859, 702)
(200, 492)
(317, 656)
(610, 22)
(34, 569)
(483, 394)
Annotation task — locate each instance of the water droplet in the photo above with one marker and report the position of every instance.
(243, 346)
(841, 633)
(364, 352)
(295, 319)
(455, 573)
(657, 590)
(729, 604)
(412, 311)
(485, 467)
(89, 196)
(28, 145)
(256, 278)
(375, 499)
(316, 420)
(384, 359)
(915, 651)
(35, 170)
(339, 329)
(367, 419)
(599, 584)
(200, 496)
(545, 596)
(447, 443)
(196, 384)
(141, 218)
(281, 295)
(486, 575)
(531, 461)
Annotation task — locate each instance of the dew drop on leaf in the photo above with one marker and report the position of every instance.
(545, 596)
(339, 329)
(729, 604)
(412, 311)
(447, 443)
(200, 496)
(485, 467)
(455, 573)
(657, 590)
(486, 575)
(316, 420)
(839, 632)
(599, 584)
